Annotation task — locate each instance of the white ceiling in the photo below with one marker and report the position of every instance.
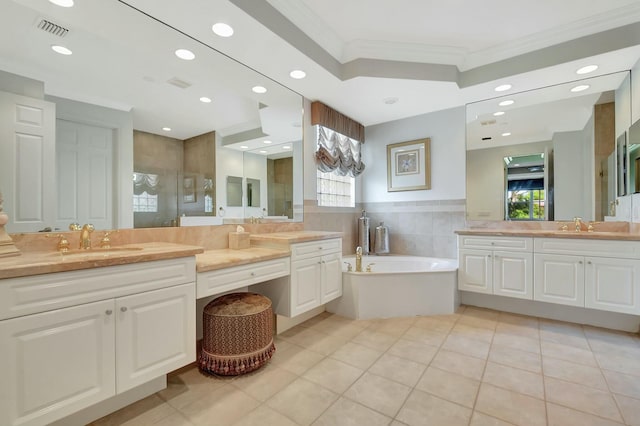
(358, 53)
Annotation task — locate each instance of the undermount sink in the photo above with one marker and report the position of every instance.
(99, 252)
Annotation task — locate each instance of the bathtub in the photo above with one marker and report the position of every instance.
(397, 286)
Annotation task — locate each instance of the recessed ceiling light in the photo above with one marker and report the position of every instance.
(580, 88)
(166, 129)
(266, 142)
(502, 88)
(63, 3)
(297, 74)
(244, 147)
(222, 29)
(498, 113)
(205, 100)
(61, 50)
(259, 89)
(286, 147)
(506, 134)
(390, 101)
(587, 69)
(507, 102)
(185, 54)
(263, 152)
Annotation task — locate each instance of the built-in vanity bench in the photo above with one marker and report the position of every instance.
(298, 271)
(593, 274)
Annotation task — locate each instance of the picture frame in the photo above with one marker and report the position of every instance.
(189, 190)
(409, 165)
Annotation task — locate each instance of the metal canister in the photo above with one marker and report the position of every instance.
(381, 243)
(363, 233)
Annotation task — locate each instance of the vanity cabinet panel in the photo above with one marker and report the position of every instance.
(91, 334)
(56, 363)
(513, 274)
(559, 279)
(306, 284)
(331, 274)
(315, 278)
(475, 271)
(501, 266)
(155, 334)
(613, 284)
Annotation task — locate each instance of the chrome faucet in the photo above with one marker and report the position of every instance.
(85, 234)
(358, 259)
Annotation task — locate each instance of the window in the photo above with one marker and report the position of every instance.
(145, 203)
(334, 190)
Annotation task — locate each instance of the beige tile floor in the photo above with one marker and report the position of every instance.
(477, 367)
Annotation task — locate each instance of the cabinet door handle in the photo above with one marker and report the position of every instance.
(108, 312)
(580, 262)
(253, 274)
(589, 262)
(320, 248)
(489, 255)
(123, 309)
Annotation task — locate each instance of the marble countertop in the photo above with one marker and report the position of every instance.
(293, 237)
(212, 260)
(40, 262)
(552, 233)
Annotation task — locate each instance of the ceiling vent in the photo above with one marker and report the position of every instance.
(179, 83)
(52, 28)
(488, 122)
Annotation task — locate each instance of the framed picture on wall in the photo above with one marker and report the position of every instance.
(409, 165)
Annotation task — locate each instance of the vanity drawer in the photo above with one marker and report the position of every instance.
(602, 248)
(523, 244)
(40, 293)
(315, 248)
(221, 280)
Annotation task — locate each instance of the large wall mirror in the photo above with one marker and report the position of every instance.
(140, 136)
(550, 153)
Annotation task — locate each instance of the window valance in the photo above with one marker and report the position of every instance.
(145, 182)
(328, 117)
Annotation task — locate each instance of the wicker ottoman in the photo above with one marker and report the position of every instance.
(237, 334)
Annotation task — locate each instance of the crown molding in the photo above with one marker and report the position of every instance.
(404, 52)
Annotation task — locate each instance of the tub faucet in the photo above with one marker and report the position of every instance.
(358, 259)
(578, 223)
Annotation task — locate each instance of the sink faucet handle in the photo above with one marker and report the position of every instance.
(63, 243)
(75, 226)
(105, 242)
(349, 267)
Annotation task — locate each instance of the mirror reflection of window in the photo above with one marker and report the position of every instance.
(525, 195)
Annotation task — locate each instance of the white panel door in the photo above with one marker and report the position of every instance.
(27, 168)
(84, 156)
(613, 285)
(155, 334)
(56, 363)
(475, 271)
(331, 277)
(305, 285)
(559, 279)
(513, 274)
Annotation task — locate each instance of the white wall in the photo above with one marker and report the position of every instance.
(255, 167)
(623, 106)
(229, 162)
(574, 174)
(447, 132)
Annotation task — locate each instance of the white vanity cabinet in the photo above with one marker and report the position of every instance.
(315, 278)
(598, 274)
(71, 339)
(496, 265)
